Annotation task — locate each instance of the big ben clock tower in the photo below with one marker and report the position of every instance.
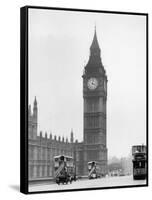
(95, 99)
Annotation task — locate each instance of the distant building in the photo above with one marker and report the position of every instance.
(42, 149)
(122, 166)
(127, 166)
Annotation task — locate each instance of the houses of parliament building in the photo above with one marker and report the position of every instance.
(42, 149)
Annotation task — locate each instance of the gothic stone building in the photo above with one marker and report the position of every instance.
(41, 150)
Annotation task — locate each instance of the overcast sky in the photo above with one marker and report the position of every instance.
(59, 43)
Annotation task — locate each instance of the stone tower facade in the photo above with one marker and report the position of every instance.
(95, 100)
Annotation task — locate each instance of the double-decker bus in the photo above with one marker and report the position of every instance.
(93, 170)
(139, 162)
(64, 169)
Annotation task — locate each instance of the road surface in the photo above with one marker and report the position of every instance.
(93, 183)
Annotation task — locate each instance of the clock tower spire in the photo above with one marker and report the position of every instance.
(95, 99)
(95, 61)
(95, 44)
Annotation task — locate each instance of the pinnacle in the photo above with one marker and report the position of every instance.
(95, 44)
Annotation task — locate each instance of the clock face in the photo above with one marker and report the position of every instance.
(92, 83)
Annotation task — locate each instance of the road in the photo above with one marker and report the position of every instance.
(94, 183)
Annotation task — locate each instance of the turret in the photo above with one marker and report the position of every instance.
(41, 135)
(29, 111)
(71, 137)
(50, 135)
(55, 138)
(63, 139)
(76, 141)
(32, 117)
(35, 110)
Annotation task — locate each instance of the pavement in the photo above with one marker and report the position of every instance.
(86, 183)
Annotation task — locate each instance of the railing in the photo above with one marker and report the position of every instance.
(92, 170)
(57, 172)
